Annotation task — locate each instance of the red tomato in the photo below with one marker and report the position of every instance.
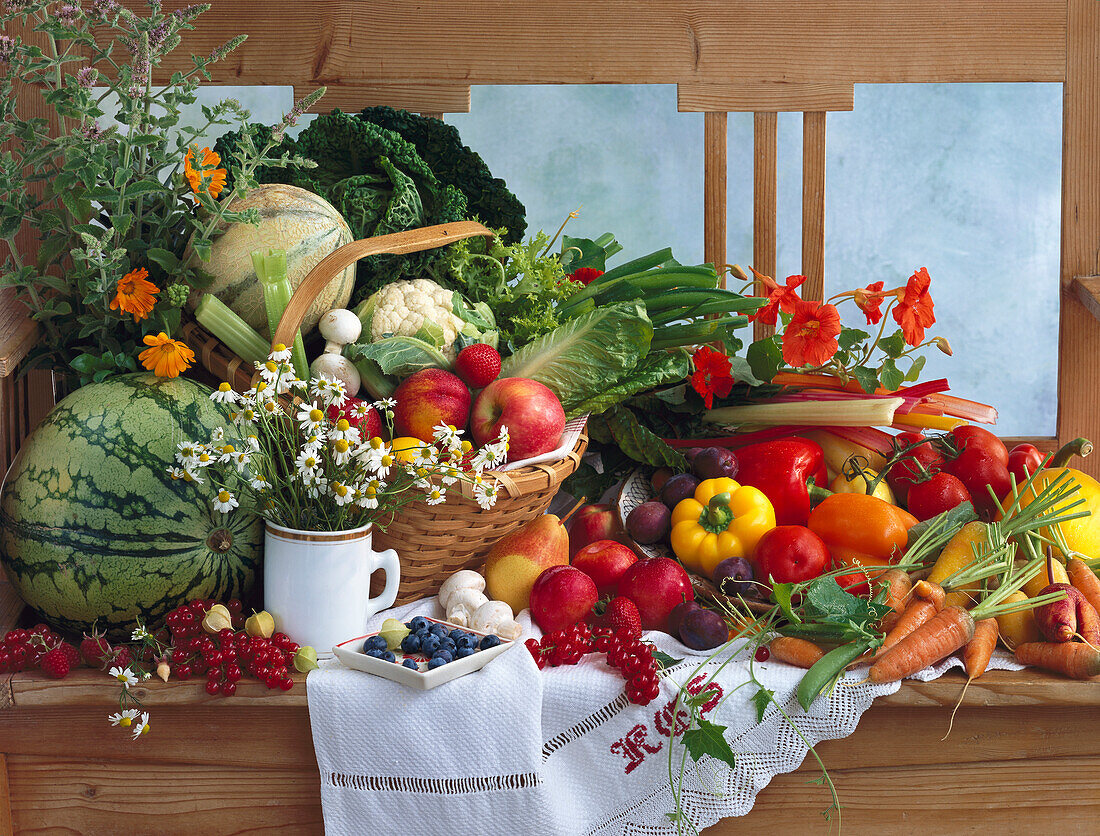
(934, 496)
(969, 437)
(1023, 460)
(922, 459)
(976, 468)
(791, 553)
(865, 568)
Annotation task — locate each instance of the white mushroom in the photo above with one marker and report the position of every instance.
(496, 617)
(461, 579)
(339, 367)
(339, 327)
(463, 604)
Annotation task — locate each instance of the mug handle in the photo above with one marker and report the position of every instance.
(386, 561)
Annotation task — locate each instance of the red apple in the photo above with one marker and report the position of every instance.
(428, 398)
(369, 425)
(561, 596)
(531, 412)
(605, 561)
(591, 523)
(656, 585)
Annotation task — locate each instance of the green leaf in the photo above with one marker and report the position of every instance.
(956, 517)
(78, 205)
(742, 372)
(851, 337)
(166, 260)
(147, 139)
(659, 368)
(664, 661)
(781, 594)
(826, 600)
(867, 378)
(761, 699)
(144, 187)
(914, 370)
(894, 345)
(639, 443)
(891, 375)
(581, 252)
(399, 356)
(707, 739)
(765, 357)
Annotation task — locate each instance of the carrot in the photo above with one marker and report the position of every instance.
(1071, 658)
(917, 613)
(1088, 623)
(801, 653)
(931, 592)
(898, 586)
(943, 634)
(976, 659)
(1082, 577)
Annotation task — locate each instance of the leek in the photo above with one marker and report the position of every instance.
(270, 267)
(860, 413)
(237, 335)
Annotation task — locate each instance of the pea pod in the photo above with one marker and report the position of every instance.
(827, 669)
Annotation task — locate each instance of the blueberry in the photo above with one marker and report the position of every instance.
(466, 641)
(437, 630)
(374, 653)
(445, 655)
(463, 652)
(411, 643)
(436, 662)
(429, 645)
(448, 643)
(410, 664)
(489, 641)
(417, 622)
(374, 643)
(388, 656)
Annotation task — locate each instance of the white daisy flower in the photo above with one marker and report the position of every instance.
(224, 394)
(337, 395)
(385, 404)
(241, 460)
(124, 718)
(141, 726)
(370, 453)
(426, 456)
(485, 493)
(247, 415)
(253, 442)
(341, 492)
(187, 452)
(279, 353)
(217, 437)
(310, 419)
(225, 502)
(367, 496)
(487, 458)
(360, 409)
(123, 675)
(341, 451)
(449, 476)
(225, 453)
(307, 462)
(343, 429)
(445, 435)
(175, 472)
(192, 476)
(316, 485)
(140, 634)
(259, 483)
(436, 496)
(270, 371)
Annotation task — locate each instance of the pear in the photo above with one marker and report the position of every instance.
(516, 559)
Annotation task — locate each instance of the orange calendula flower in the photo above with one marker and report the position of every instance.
(134, 294)
(810, 338)
(869, 299)
(206, 176)
(780, 297)
(914, 309)
(166, 357)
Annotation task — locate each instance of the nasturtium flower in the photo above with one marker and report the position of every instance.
(914, 311)
(781, 297)
(810, 338)
(712, 374)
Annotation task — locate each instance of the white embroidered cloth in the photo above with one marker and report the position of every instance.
(569, 436)
(511, 749)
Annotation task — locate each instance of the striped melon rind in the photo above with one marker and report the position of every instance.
(304, 224)
(92, 528)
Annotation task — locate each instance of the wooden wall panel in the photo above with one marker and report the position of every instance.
(765, 140)
(420, 98)
(714, 190)
(813, 205)
(764, 96)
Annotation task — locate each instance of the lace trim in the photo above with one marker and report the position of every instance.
(589, 723)
(434, 786)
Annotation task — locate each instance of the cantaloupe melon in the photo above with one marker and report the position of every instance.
(304, 224)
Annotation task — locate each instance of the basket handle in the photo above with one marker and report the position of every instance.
(397, 243)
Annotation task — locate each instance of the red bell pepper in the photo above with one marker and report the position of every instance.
(781, 469)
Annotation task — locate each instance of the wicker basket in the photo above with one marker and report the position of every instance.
(431, 541)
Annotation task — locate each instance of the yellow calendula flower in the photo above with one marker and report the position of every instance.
(166, 357)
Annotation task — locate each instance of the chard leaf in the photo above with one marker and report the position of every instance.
(580, 358)
(399, 355)
(639, 443)
(659, 368)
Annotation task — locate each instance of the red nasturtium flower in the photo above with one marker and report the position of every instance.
(712, 374)
(810, 338)
(914, 309)
(869, 299)
(585, 275)
(780, 297)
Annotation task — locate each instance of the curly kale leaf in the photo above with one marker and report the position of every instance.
(440, 146)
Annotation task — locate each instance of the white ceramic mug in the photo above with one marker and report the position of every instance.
(317, 583)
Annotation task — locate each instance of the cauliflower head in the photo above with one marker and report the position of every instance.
(416, 308)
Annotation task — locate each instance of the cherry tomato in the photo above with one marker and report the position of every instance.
(1023, 460)
(923, 459)
(791, 553)
(969, 437)
(934, 496)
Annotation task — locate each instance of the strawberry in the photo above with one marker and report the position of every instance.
(478, 365)
(96, 650)
(55, 663)
(622, 614)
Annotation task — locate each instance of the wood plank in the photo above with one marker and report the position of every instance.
(110, 797)
(765, 139)
(6, 826)
(18, 332)
(1079, 330)
(433, 98)
(11, 605)
(813, 205)
(714, 191)
(763, 96)
(1087, 291)
(634, 41)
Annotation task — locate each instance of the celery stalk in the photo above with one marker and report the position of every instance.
(270, 267)
(217, 318)
(379, 385)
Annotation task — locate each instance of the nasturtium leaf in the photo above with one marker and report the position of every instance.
(891, 375)
(894, 345)
(761, 699)
(707, 739)
(867, 378)
(851, 337)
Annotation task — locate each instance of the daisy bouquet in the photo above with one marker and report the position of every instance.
(297, 453)
(119, 194)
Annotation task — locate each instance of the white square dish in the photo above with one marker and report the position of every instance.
(351, 655)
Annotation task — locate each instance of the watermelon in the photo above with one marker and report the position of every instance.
(304, 224)
(92, 528)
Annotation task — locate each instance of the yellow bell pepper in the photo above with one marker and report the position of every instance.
(723, 519)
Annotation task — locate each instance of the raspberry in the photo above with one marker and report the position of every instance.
(71, 653)
(55, 663)
(477, 365)
(96, 650)
(120, 657)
